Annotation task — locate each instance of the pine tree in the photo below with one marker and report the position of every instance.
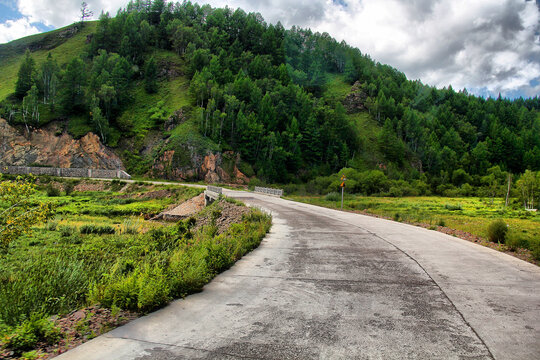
(150, 76)
(47, 79)
(26, 76)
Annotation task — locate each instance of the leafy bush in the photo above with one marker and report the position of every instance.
(52, 224)
(452, 207)
(535, 251)
(97, 229)
(66, 230)
(497, 231)
(333, 196)
(69, 187)
(147, 285)
(51, 190)
(395, 191)
(30, 332)
(515, 241)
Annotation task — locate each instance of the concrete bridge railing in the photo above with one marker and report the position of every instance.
(65, 172)
(269, 191)
(211, 194)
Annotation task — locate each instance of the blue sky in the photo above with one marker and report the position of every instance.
(486, 46)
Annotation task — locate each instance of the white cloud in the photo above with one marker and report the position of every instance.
(481, 44)
(14, 29)
(60, 13)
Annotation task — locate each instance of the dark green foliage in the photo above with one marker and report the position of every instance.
(42, 287)
(150, 76)
(69, 187)
(27, 335)
(26, 76)
(97, 229)
(52, 190)
(333, 196)
(515, 241)
(73, 94)
(497, 231)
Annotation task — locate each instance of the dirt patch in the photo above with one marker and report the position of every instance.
(186, 209)
(229, 213)
(90, 186)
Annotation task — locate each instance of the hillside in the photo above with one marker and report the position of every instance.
(183, 91)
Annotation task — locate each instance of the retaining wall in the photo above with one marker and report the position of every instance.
(65, 172)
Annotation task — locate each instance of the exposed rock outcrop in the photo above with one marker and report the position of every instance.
(43, 147)
(187, 164)
(177, 118)
(356, 99)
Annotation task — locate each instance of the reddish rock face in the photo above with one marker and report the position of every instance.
(45, 148)
(210, 168)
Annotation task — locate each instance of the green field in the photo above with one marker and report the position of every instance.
(469, 214)
(101, 248)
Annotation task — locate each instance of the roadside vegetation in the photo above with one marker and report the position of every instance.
(100, 251)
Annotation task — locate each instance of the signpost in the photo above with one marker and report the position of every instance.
(343, 179)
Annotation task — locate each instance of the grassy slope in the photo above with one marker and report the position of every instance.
(11, 54)
(366, 127)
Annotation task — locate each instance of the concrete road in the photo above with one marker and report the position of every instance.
(327, 284)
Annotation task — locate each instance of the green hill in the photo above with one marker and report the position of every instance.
(167, 85)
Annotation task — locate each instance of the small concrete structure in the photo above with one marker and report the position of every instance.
(65, 172)
(269, 191)
(211, 194)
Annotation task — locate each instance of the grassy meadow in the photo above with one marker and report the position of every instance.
(469, 214)
(101, 248)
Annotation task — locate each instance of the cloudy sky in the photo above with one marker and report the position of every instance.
(486, 46)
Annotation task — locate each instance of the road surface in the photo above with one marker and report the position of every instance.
(326, 284)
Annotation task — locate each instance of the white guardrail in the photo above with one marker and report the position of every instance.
(269, 191)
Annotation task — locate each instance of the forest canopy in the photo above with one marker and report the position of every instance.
(265, 92)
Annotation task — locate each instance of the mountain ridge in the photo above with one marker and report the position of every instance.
(293, 104)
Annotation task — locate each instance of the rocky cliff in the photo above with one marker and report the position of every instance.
(43, 147)
(187, 164)
(356, 99)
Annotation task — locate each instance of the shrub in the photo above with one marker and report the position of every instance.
(535, 251)
(52, 224)
(497, 231)
(333, 196)
(130, 226)
(441, 222)
(97, 229)
(452, 207)
(68, 187)
(30, 332)
(515, 241)
(51, 190)
(395, 191)
(66, 230)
